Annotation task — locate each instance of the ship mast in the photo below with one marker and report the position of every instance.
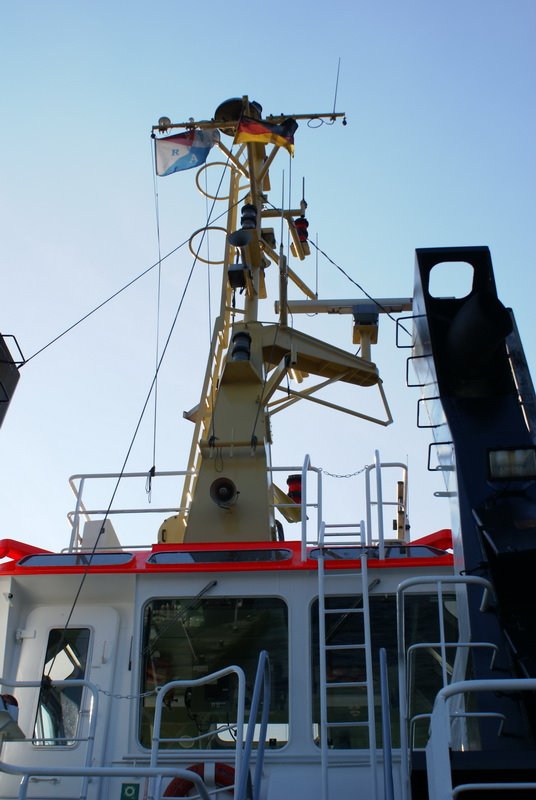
(228, 493)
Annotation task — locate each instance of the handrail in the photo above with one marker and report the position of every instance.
(305, 469)
(439, 581)
(90, 738)
(443, 646)
(494, 787)
(157, 773)
(460, 715)
(93, 706)
(438, 747)
(389, 791)
(80, 508)
(214, 676)
(78, 482)
(380, 502)
(262, 681)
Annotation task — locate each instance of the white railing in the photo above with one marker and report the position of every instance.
(157, 772)
(310, 529)
(388, 783)
(262, 684)
(440, 582)
(304, 470)
(379, 503)
(82, 512)
(438, 764)
(78, 484)
(240, 712)
(93, 707)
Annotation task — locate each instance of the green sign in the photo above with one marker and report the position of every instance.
(130, 791)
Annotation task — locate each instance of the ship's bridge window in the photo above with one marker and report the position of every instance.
(76, 560)
(58, 710)
(391, 551)
(218, 556)
(189, 638)
(346, 674)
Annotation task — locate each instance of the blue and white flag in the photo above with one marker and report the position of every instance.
(184, 150)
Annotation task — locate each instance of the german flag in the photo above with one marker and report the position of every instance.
(254, 130)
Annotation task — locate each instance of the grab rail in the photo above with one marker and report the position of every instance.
(103, 772)
(262, 682)
(305, 468)
(389, 792)
(440, 581)
(90, 738)
(240, 710)
(379, 502)
(438, 747)
(82, 511)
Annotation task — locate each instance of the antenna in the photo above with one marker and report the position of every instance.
(336, 86)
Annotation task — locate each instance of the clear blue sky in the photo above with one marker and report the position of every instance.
(439, 150)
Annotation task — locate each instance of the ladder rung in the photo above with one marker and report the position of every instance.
(345, 647)
(343, 611)
(347, 724)
(342, 573)
(347, 685)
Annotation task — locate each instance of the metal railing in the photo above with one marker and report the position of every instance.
(157, 772)
(82, 512)
(304, 469)
(30, 771)
(439, 744)
(388, 784)
(379, 502)
(440, 582)
(185, 684)
(262, 683)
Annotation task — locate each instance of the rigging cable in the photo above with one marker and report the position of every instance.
(336, 85)
(372, 299)
(104, 302)
(152, 471)
(209, 298)
(127, 456)
(117, 293)
(316, 264)
(369, 296)
(137, 427)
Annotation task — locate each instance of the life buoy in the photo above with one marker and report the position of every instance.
(224, 777)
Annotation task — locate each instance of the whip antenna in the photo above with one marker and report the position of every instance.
(336, 85)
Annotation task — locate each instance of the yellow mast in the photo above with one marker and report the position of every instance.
(228, 494)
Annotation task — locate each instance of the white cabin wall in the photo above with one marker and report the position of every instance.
(7, 616)
(114, 594)
(299, 590)
(124, 709)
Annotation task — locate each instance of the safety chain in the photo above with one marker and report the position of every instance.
(349, 475)
(128, 696)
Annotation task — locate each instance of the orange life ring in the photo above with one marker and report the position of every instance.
(224, 777)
